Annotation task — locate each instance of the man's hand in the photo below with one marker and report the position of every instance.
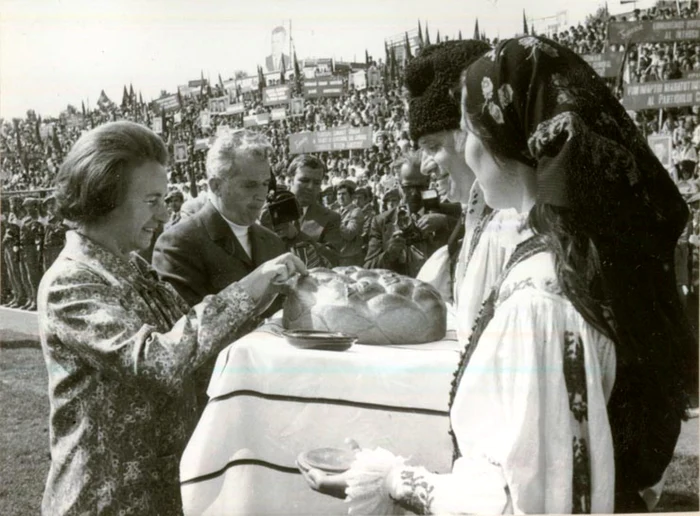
(431, 222)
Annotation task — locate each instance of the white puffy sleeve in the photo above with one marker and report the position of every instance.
(529, 414)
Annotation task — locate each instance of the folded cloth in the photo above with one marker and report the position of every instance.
(367, 491)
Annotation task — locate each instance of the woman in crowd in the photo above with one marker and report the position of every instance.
(121, 346)
(571, 390)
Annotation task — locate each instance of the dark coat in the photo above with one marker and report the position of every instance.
(200, 255)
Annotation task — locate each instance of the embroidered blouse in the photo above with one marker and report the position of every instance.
(120, 348)
(529, 414)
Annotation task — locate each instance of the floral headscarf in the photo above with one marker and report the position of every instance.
(541, 104)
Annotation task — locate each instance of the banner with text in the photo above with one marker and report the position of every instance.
(275, 95)
(278, 114)
(339, 138)
(654, 31)
(654, 95)
(168, 103)
(606, 64)
(323, 87)
(235, 109)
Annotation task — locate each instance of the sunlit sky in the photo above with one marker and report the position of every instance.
(57, 52)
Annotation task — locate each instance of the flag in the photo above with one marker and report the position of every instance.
(132, 96)
(407, 51)
(437, 39)
(420, 35)
(201, 83)
(297, 73)
(366, 58)
(427, 34)
(56, 143)
(37, 128)
(125, 98)
(332, 66)
(525, 29)
(221, 84)
(140, 99)
(103, 101)
(459, 36)
(393, 71)
(179, 98)
(261, 80)
(477, 34)
(83, 107)
(283, 71)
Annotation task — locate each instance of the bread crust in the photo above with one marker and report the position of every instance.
(378, 306)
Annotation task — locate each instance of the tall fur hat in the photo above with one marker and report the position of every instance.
(430, 78)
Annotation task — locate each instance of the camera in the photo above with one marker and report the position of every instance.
(284, 208)
(407, 226)
(430, 200)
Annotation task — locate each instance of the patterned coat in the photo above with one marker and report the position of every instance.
(120, 347)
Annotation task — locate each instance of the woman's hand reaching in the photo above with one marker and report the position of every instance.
(265, 282)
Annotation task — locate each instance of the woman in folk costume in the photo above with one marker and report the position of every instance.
(571, 391)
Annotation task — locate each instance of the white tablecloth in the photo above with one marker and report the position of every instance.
(270, 401)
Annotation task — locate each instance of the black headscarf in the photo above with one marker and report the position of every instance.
(557, 115)
(534, 101)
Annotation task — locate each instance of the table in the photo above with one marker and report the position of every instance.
(270, 401)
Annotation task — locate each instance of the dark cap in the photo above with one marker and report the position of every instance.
(430, 79)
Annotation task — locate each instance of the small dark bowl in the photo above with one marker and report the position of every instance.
(326, 340)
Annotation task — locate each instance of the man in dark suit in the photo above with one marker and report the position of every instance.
(222, 242)
(403, 238)
(316, 237)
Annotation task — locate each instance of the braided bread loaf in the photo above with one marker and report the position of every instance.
(377, 305)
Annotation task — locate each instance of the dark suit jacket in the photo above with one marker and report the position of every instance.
(200, 255)
(320, 225)
(382, 228)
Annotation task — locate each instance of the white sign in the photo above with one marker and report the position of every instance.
(359, 80)
(180, 150)
(158, 125)
(205, 119)
(278, 114)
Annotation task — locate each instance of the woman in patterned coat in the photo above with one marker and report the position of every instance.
(571, 390)
(120, 346)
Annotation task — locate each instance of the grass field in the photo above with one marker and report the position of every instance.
(24, 440)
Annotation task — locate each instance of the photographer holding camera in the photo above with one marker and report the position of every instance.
(403, 238)
(308, 229)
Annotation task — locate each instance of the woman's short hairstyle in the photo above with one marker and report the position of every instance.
(232, 145)
(94, 177)
(305, 160)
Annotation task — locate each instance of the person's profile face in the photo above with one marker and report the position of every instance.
(445, 149)
(132, 225)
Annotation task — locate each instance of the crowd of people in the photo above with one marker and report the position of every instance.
(32, 149)
(559, 274)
